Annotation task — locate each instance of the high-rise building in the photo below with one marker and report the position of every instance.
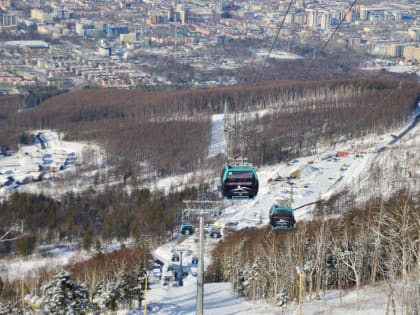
(104, 49)
(300, 4)
(183, 13)
(8, 19)
(313, 19)
(5, 3)
(364, 12)
(395, 50)
(325, 21)
(350, 16)
(290, 18)
(414, 33)
(411, 52)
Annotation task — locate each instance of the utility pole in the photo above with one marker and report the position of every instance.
(181, 249)
(200, 272)
(302, 275)
(201, 209)
(22, 288)
(145, 301)
(291, 190)
(181, 282)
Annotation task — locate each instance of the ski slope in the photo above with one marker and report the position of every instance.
(304, 180)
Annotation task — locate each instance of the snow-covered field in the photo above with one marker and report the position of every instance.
(306, 179)
(219, 300)
(33, 168)
(347, 166)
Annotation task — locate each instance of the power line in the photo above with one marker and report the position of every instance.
(260, 75)
(349, 10)
(357, 122)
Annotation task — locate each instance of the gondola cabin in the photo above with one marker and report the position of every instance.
(282, 217)
(215, 233)
(239, 180)
(175, 257)
(186, 229)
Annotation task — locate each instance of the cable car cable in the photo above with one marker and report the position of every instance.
(335, 31)
(260, 74)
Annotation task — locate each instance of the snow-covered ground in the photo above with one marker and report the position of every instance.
(397, 68)
(316, 177)
(217, 140)
(33, 167)
(219, 300)
(18, 269)
(278, 54)
(346, 166)
(332, 170)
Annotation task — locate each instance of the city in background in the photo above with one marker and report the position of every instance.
(144, 43)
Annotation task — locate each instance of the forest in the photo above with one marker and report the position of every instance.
(101, 284)
(167, 132)
(378, 241)
(92, 218)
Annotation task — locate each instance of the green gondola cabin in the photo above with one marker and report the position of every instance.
(239, 180)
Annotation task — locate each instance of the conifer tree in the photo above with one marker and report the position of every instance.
(6, 309)
(141, 284)
(105, 296)
(63, 297)
(124, 285)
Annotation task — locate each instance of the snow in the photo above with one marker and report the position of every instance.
(48, 157)
(397, 68)
(320, 176)
(218, 300)
(317, 177)
(278, 54)
(217, 138)
(19, 269)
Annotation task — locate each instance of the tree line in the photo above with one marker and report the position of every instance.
(92, 218)
(305, 117)
(375, 242)
(169, 131)
(103, 283)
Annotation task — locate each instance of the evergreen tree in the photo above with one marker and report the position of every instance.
(141, 284)
(124, 286)
(6, 309)
(105, 296)
(63, 297)
(87, 239)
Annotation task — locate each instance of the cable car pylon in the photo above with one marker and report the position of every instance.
(201, 208)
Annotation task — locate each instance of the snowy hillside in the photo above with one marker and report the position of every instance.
(347, 167)
(33, 168)
(219, 300)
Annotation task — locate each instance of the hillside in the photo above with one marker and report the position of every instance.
(152, 132)
(97, 200)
